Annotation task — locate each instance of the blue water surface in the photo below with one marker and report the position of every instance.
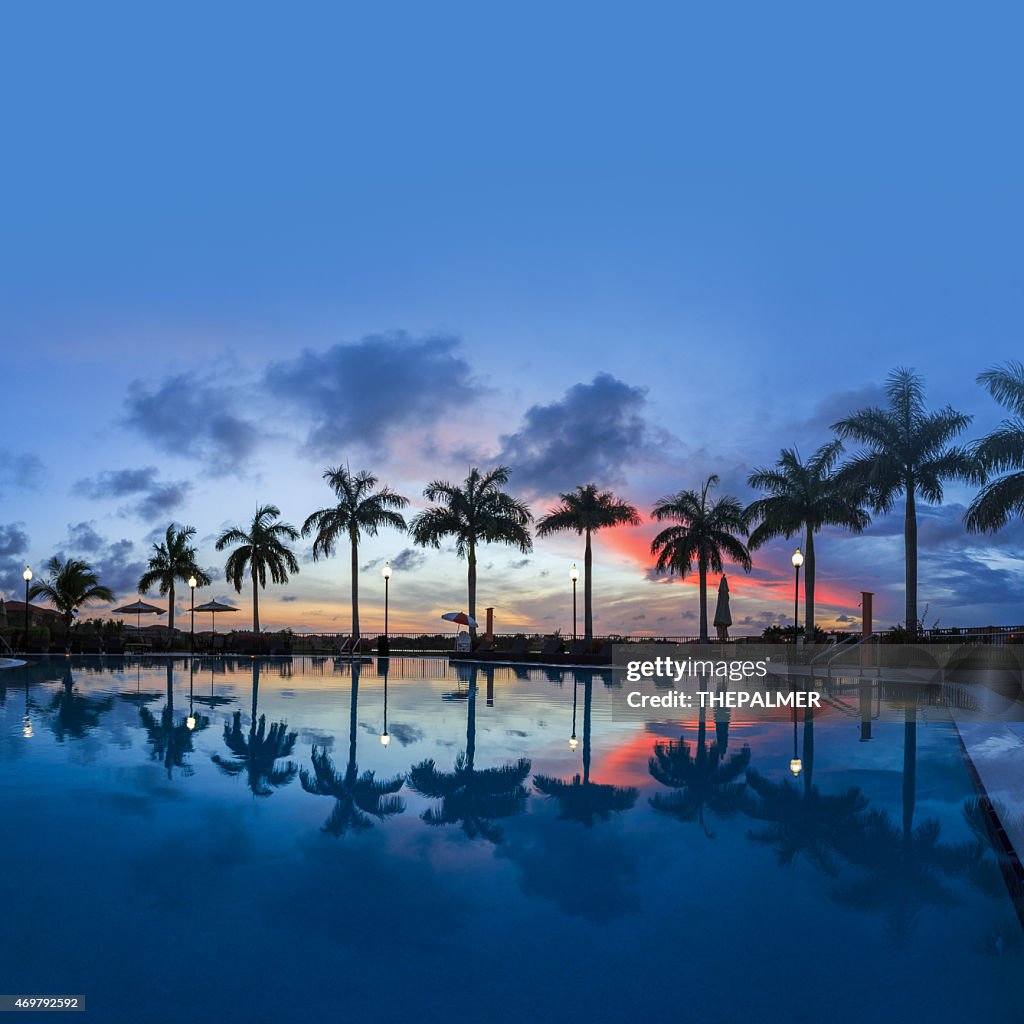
(513, 853)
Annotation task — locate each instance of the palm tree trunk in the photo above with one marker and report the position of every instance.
(808, 751)
(910, 546)
(702, 571)
(170, 607)
(255, 691)
(472, 584)
(255, 603)
(355, 591)
(809, 586)
(588, 606)
(353, 720)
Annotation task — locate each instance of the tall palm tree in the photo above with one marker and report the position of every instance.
(802, 498)
(700, 780)
(257, 751)
(1000, 452)
(172, 560)
(580, 799)
(68, 586)
(584, 511)
(261, 550)
(707, 532)
(75, 715)
(475, 512)
(908, 453)
(469, 796)
(357, 797)
(360, 508)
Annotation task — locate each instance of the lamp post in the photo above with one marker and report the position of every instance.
(386, 572)
(574, 575)
(797, 560)
(27, 577)
(192, 584)
(795, 765)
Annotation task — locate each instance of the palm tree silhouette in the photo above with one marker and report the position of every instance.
(707, 533)
(261, 550)
(75, 715)
(68, 586)
(359, 508)
(172, 560)
(699, 780)
(802, 498)
(584, 511)
(257, 751)
(908, 453)
(470, 797)
(805, 822)
(579, 799)
(475, 512)
(357, 798)
(171, 741)
(1000, 451)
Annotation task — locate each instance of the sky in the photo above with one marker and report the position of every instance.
(635, 245)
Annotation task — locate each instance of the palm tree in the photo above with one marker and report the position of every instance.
(1001, 451)
(908, 453)
(475, 512)
(257, 751)
(472, 797)
(802, 498)
(68, 586)
(356, 797)
(707, 533)
(580, 799)
(584, 511)
(699, 780)
(74, 715)
(172, 560)
(262, 550)
(359, 508)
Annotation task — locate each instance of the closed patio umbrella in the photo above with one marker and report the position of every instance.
(213, 607)
(723, 617)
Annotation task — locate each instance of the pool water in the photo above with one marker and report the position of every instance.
(278, 862)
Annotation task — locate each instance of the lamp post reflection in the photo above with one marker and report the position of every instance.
(383, 665)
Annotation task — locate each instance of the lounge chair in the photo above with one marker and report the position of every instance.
(579, 650)
(552, 648)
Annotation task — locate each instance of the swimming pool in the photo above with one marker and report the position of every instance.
(233, 839)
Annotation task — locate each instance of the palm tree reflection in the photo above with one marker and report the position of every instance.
(472, 798)
(357, 797)
(74, 715)
(257, 751)
(805, 822)
(579, 799)
(701, 779)
(171, 741)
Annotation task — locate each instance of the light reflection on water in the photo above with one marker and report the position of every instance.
(231, 838)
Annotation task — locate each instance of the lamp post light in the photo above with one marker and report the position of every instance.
(192, 584)
(385, 648)
(797, 560)
(27, 577)
(574, 575)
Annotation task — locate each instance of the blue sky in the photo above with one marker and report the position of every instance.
(243, 243)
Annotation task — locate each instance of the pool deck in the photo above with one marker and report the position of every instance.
(995, 754)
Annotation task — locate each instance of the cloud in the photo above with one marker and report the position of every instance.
(114, 561)
(589, 434)
(838, 405)
(13, 547)
(408, 560)
(18, 469)
(156, 498)
(186, 415)
(365, 392)
(288, 598)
